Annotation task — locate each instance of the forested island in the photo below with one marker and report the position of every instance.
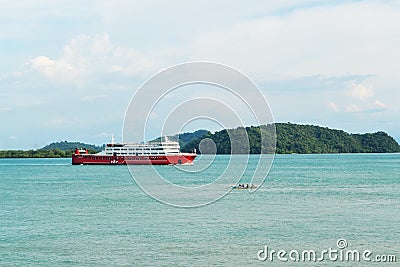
(290, 138)
(303, 139)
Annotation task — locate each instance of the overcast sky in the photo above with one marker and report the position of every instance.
(69, 69)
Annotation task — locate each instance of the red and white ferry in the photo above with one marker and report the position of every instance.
(155, 153)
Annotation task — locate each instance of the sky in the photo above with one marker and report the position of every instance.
(69, 69)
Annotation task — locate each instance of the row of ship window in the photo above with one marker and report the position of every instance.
(137, 153)
(132, 149)
(130, 158)
(143, 153)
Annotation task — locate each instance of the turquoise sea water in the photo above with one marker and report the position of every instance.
(56, 214)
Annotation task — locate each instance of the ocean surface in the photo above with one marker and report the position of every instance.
(56, 214)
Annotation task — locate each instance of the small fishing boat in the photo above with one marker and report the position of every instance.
(243, 186)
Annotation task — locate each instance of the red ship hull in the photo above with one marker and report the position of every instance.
(93, 159)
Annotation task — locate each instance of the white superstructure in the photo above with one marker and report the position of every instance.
(152, 149)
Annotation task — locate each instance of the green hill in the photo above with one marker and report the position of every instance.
(61, 149)
(303, 139)
(64, 145)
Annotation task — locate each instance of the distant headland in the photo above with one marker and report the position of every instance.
(291, 139)
(304, 139)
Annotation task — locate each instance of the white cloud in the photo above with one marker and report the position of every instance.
(332, 40)
(379, 104)
(88, 57)
(334, 64)
(368, 107)
(332, 106)
(360, 91)
(353, 108)
(51, 68)
(366, 99)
